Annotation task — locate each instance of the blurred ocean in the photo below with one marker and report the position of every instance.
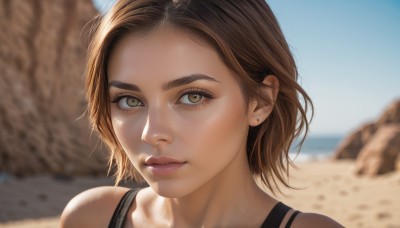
(316, 148)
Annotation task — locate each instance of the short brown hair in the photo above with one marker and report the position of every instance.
(249, 40)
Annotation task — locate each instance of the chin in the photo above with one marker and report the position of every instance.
(170, 188)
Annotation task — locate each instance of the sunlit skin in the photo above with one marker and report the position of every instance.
(202, 122)
(172, 97)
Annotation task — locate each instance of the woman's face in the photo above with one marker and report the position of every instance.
(177, 111)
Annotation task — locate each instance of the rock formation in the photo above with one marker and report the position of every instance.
(42, 56)
(352, 144)
(391, 115)
(376, 146)
(379, 155)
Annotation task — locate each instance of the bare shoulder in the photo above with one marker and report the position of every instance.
(92, 208)
(310, 220)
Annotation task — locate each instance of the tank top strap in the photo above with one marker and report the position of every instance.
(118, 218)
(291, 219)
(276, 216)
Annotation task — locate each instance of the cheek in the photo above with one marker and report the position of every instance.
(219, 130)
(127, 130)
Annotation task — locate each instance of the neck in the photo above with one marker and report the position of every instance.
(226, 200)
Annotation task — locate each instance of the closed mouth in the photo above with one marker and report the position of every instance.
(159, 161)
(163, 166)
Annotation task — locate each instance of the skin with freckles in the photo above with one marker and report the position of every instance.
(202, 122)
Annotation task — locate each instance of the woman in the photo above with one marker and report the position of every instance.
(198, 98)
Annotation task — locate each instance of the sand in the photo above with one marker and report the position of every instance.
(327, 187)
(331, 188)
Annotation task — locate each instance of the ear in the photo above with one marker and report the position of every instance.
(259, 110)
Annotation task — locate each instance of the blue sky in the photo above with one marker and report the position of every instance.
(348, 55)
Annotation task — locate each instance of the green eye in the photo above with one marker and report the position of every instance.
(132, 102)
(129, 102)
(192, 98)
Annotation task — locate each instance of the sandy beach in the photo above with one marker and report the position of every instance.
(331, 188)
(326, 187)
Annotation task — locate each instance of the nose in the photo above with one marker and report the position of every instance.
(157, 130)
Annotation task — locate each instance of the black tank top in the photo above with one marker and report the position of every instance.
(273, 220)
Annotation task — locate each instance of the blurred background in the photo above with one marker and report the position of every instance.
(347, 52)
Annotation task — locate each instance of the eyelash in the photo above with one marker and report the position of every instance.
(206, 96)
(118, 97)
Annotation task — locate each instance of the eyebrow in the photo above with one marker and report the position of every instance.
(123, 85)
(166, 86)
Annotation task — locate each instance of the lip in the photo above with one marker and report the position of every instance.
(163, 166)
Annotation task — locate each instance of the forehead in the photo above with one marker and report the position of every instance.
(167, 52)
